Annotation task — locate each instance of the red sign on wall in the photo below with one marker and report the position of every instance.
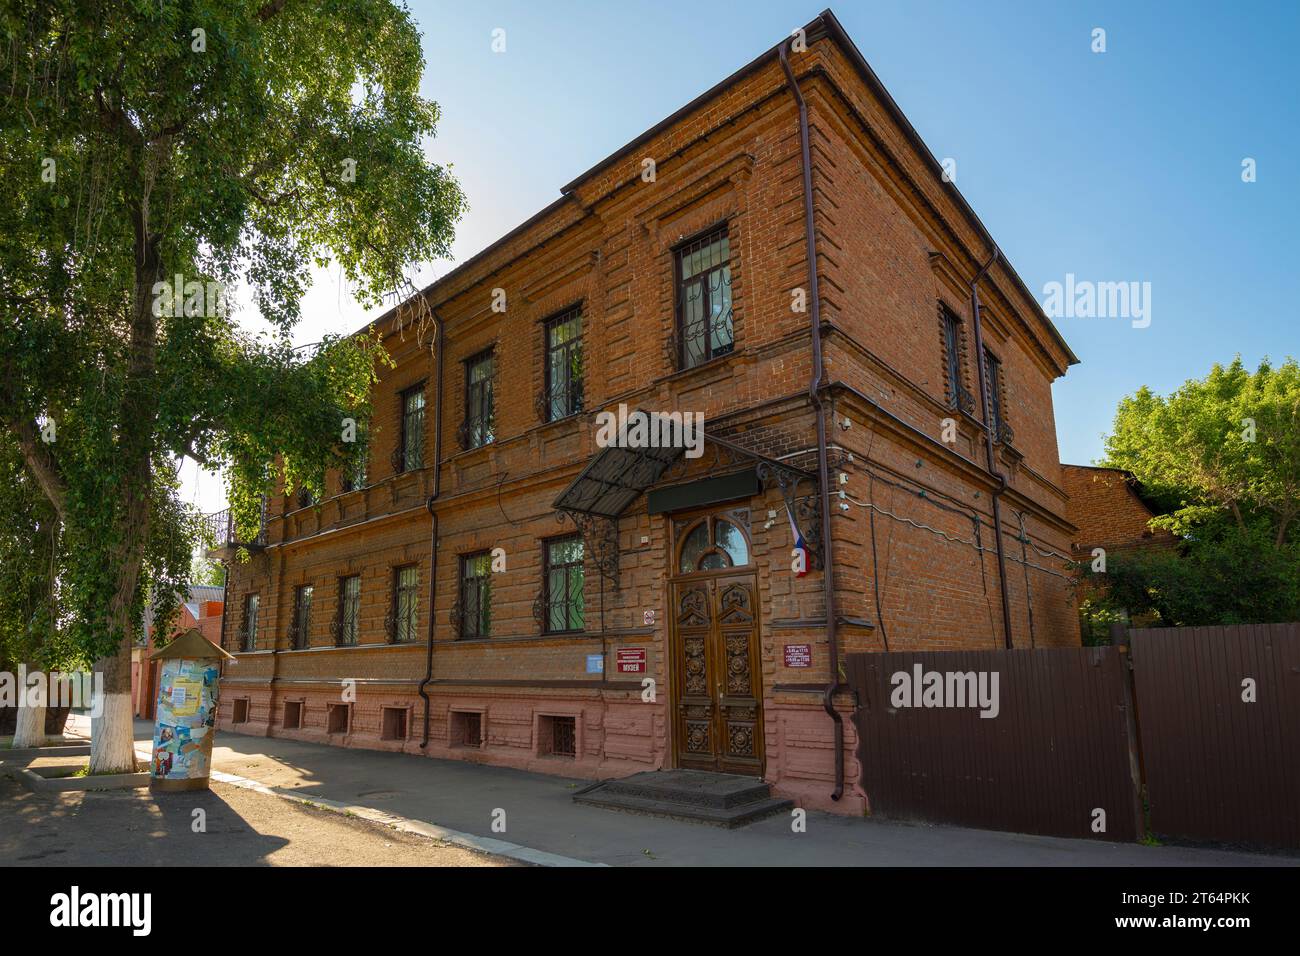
(798, 655)
(631, 660)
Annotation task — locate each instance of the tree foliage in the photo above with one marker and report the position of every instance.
(1220, 457)
(228, 143)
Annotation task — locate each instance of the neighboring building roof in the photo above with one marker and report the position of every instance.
(194, 600)
(1107, 506)
(826, 23)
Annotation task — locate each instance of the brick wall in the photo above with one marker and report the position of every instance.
(1106, 508)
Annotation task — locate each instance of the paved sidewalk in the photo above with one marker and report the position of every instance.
(540, 813)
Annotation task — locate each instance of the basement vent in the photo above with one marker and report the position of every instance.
(466, 729)
(240, 715)
(336, 720)
(557, 736)
(394, 724)
(292, 714)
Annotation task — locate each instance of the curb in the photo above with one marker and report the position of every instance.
(109, 781)
(458, 838)
(52, 750)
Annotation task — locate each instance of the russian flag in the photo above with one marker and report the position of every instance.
(799, 545)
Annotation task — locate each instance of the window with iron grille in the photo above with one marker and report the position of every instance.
(248, 633)
(564, 580)
(411, 455)
(704, 321)
(305, 498)
(406, 603)
(354, 473)
(557, 736)
(993, 379)
(479, 404)
(958, 397)
(476, 595)
(300, 629)
(564, 365)
(349, 610)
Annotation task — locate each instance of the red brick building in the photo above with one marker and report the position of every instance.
(1107, 508)
(499, 587)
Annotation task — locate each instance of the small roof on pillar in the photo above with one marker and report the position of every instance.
(191, 645)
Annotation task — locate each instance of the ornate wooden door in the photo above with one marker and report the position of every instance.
(717, 678)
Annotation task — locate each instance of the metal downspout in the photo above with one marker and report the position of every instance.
(823, 470)
(433, 529)
(1000, 480)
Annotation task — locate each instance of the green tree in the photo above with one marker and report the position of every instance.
(1220, 457)
(1225, 446)
(220, 142)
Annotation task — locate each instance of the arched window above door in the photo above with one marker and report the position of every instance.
(713, 542)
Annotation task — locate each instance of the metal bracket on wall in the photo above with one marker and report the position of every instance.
(599, 540)
(806, 508)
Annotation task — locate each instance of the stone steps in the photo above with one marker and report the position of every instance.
(719, 799)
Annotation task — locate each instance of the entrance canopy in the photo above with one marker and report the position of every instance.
(626, 468)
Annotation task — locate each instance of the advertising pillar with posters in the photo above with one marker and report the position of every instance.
(186, 714)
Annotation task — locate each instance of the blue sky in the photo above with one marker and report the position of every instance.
(1115, 166)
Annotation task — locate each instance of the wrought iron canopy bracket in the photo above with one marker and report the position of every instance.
(599, 540)
(806, 508)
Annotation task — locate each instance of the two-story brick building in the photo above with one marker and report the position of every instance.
(500, 587)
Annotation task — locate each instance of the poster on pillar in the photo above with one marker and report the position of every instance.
(182, 743)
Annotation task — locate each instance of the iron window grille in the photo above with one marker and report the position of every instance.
(347, 623)
(355, 471)
(563, 391)
(480, 407)
(300, 626)
(475, 606)
(248, 630)
(410, 453)
(406, 604)
(305, 497)
(703, 299)
(993, 379)
(563, 577)
(958, 396)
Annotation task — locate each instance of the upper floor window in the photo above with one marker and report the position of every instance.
(563, 365)
(479, 408)
(476, 594)
(406, 603)
(411, 453)
(300, 627)
(704, 299)
(564, 578)
(248, 630)
(957, 396)
(305, 497)
(355, 471)
(997, 420)
(349, 613)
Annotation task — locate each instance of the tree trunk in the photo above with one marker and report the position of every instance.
(30, 731)
(112, 730)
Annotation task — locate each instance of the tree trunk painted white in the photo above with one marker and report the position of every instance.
(30, 731)
(112, 733)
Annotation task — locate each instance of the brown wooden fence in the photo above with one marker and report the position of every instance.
(1059, 750)
(1219, 766)
(1065, 743)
